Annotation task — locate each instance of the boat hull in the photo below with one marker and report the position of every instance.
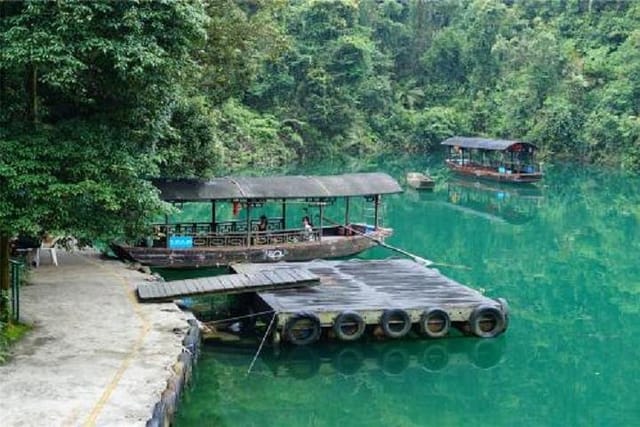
(331, 247)
(490, 174)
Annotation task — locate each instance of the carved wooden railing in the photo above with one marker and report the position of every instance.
(185, 228)
(200, 235)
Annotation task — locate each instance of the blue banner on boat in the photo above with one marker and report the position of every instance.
(180, 242)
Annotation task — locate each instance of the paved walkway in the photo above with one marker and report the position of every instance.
(95, 356)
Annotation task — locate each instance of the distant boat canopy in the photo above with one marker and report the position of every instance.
(493, 159)
(490, 144)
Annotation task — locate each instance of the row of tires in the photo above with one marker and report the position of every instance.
(485, 321)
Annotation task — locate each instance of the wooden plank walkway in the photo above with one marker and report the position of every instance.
(370, 287)
(228, 284)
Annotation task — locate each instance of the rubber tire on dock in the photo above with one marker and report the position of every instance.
(345, 320)
(392, 316)
(480, 315)
(314, 331)
(432, 316)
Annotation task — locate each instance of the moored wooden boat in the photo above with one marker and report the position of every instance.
(420, 181)
(279, 247)
(220, 242)
(493, 159)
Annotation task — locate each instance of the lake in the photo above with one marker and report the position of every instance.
(564, 254)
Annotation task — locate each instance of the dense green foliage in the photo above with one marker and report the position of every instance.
(96, 97)
(392, 75)
(86, 89)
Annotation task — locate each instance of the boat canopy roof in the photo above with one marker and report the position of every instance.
(485, 143)
(277, 187)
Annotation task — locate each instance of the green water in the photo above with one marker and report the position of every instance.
(565, 256)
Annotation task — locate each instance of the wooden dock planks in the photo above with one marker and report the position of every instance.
(370, 287)
(253, 281)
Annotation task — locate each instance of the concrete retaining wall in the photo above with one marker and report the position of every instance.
(165, 410)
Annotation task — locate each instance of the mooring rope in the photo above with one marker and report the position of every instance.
(422, 261)
(213, 322)
(264, 338)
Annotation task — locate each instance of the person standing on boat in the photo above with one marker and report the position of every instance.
(262, 225)
(308, 228)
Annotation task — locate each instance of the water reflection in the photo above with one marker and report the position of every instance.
(389, 358)
(492, 201)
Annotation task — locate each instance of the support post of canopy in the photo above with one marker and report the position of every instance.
(166, 230)
(346, 210)
(213, 216)
(321, 216)
(376, 203)
(283, 223)
(248, 222)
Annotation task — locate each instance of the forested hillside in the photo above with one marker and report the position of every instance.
(96, 97)
(391, 75)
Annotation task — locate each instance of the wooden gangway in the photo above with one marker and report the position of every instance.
(396, 294)
(228, 284)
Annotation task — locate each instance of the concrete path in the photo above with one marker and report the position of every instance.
(95, 356)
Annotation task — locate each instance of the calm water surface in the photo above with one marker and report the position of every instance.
(565, 256)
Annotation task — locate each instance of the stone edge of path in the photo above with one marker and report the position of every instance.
(165, 409)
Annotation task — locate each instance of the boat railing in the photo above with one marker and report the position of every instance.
(503, 167)
(189, 237)
(239, 226)
(518, 167)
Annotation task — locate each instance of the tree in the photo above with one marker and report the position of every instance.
(87, 90)
(240, 37)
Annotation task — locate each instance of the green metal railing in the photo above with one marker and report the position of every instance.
(16, 269)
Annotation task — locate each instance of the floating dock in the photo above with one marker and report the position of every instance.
(391, 297)
(228, 284)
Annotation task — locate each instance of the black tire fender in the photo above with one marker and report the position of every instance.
(345, 318)
(434, 316)
(312, 335)
(483, 314)
(392, 316)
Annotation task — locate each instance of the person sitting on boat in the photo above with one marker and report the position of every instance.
(262, 225)
(308, 228)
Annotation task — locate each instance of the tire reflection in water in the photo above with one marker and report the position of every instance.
(394, 361)
(392, 358)
(348, 361)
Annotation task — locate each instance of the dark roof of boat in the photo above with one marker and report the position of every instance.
(483, 143)
(277, 187)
